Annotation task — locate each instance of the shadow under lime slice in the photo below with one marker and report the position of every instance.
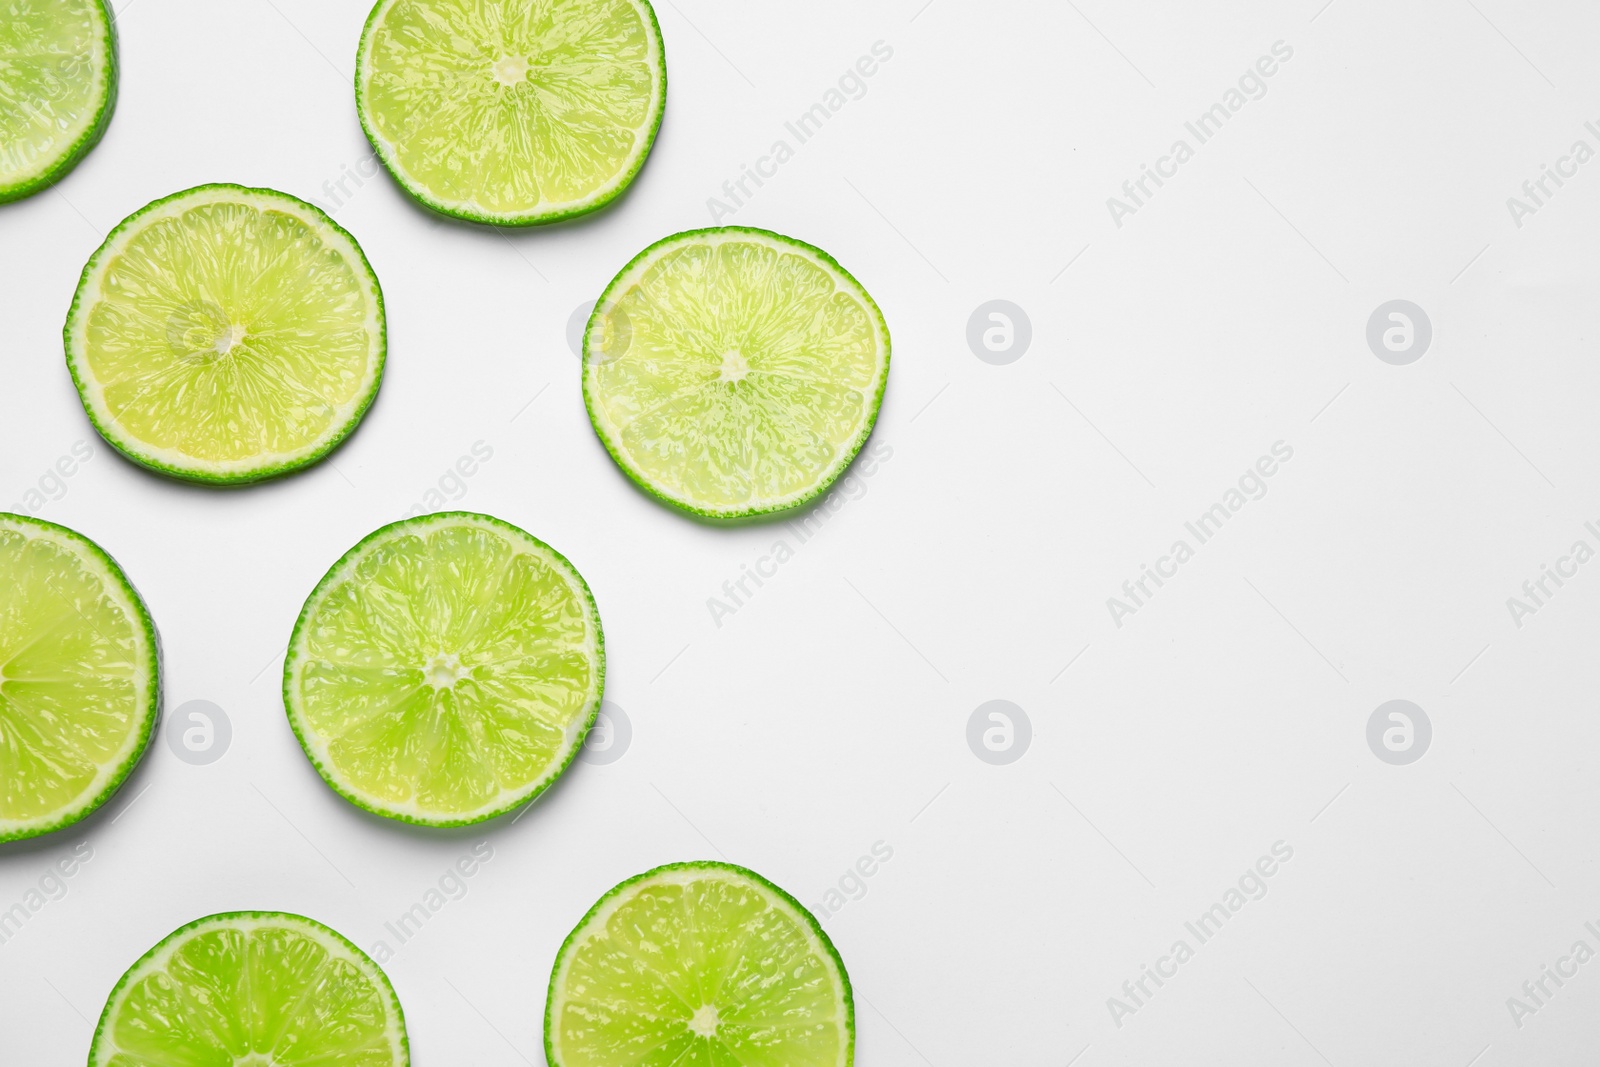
(699, 965)
(734, 372)
(252, 989)
(445, 670)
(226, 335)
(58, 83)
(510, 112)
(79, 677)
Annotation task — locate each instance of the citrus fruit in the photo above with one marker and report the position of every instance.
(58, 83)
(80, 677)
(445, 670)
(225, 334)
(252, 989)
(734, 372)
(699, 965)
(510, 112)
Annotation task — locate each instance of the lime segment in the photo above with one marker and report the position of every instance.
(733, 372)
(699, 965)
(508, 112)
(79, 677)
(58, 79)
(226, 334)
(252, 989)
(445, 670)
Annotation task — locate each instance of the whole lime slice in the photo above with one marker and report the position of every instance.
(58, 84)
(252, 989)
(445, 670)
(699, 965)
(80, 677)
(510, 112)
(225, 334)
(734, 372)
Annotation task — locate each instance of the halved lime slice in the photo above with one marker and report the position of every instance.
(225, 334)
(699, 965)
(445, 670)
(510, 112)
(734, 372)
(80, 677)
(58, 82)
(252, 989)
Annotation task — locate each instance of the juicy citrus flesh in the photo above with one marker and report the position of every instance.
(55, 66)
(733, 371)
(78, 677)
(227, 331)
(508, 109)
(445, 670)
(252, 990)
(698, 965)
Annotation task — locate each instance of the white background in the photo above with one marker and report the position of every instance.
(830, 711)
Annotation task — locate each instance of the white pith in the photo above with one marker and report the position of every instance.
(68, 138)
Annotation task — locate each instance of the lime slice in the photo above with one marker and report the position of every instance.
(79, 677)
(445, 670)
(699, 965)
(58, 81)
(734, 372)
(510, 112)
(226, 334)
(252, 989)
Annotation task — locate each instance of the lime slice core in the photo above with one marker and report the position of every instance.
(252, 989)
(734, 372)
(79, 677)
(226, 334)
(507, 112)
(445, 670)
(699, 965)
(58, 82)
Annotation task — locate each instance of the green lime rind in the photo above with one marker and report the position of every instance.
(561, 212)
(797, 909)
(73, 154)
(847, 455)
(113, 778)
(296, 656)
(229, 472)
(101, 1050)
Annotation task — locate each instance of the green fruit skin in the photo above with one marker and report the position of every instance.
(100, 1030)
(153, 711)
(261, 474)
(527, 219)
(91, 136)
(700, 865)
(590, 715)
(777, 511)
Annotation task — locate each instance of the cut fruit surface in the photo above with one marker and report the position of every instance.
(58, 83)
(226, 334)
(511, 112)
(699, 965)
(445, 670)
(252, 989)
(734, 372)
(79, 677)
